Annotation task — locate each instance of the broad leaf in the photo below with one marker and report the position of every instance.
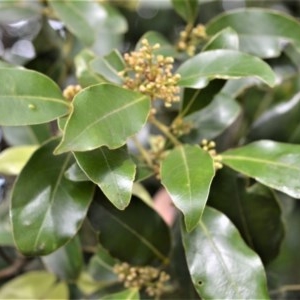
(221, 264)
(129, 294)
(6, 237)
(112, 170)
(197, 71)
(45, 204)
(280, 123)
(75, 173)
(212, 120)
(104, 115)
(187, 9)
(186, 173)
(66, 262)
(82, 18)
(254, 211)
(34, 285)
(28, 97)
(13, 159)
(84, 72)
(261, 32)
(274, 164)
(225, 39)
(142, 243)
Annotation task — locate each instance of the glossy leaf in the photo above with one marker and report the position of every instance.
(34, 285)
(255, 211)
(84, 72)
(66, 262)
(109, 66)
(75, 173)
(225, 39)
(197, 71)
(187, 9)
(221, 264)
(45, 204)
(274, 164)
(6, 237)
(129, 294)
(26, 135)
(13, 159)
(28, 97)
(280, 123)
(142, 243)
(212, 120)
(82, 18)
(112, 170)
(261, 32)
(186, 173)
(118, 114)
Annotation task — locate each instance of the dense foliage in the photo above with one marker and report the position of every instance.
(149, 150)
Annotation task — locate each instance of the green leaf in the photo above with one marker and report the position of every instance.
(6, 237)
(109, 66)
(13, 159)
(197, 71)
(28, 97)
(144, 234)
(225, 39)
(34, 285)
(118, 114)
(75, 173)
(83, 18)
(261, 32)
(280, 123)
(45, 204)
(221, 264)
(187, 9)
(13, 12)
(85, 74)
(187, 173)
(26, 135)
(212, 120)
(129, 294)
(274, 164)
(66, 262)
(254, 211)
(112, 170)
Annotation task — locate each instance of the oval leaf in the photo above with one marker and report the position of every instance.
(187, 173)
(143, 243)
(82, 18)
(118, 114)
(45, 204)
(129, 294)
(261, 31)
(35, 285)
(66, 262)
(274, 164)
(221, 264)
(187, 9)
(28, 97)
(197, 71)
(112, 170)
(13, 159)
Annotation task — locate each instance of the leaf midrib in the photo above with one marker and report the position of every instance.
(35, 97)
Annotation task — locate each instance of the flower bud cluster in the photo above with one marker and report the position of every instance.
(179, 127)
(151, 74)
(70, 91)
(191, 38)
(210, 146)
(150, 279)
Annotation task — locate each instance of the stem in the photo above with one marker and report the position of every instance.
(143, 151)
(182, 113)
(165, 130)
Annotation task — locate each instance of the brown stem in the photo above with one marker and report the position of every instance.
(14, 268)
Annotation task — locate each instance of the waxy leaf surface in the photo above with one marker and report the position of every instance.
(187, 173)
(45, 205)
(274, 164)
(28, 97)
(104, 115)
(220, 263)
(261, 32)
(187, 9)
(144, 234)
(112, 170)
(197, 71)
